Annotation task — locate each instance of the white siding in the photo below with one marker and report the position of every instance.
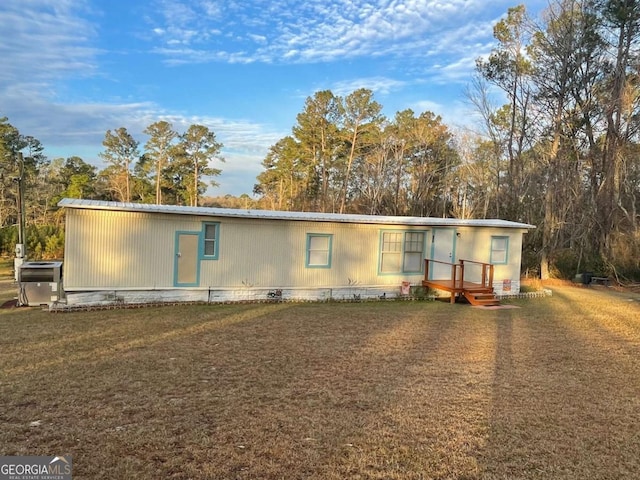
(475, 244)
(121, 249)
(263, 253)
(108, 249)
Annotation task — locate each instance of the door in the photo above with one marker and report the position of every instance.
(442, 250)
(187, 266)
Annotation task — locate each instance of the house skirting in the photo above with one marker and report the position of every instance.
(135, 296)
(229, 295)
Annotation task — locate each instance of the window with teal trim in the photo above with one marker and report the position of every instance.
(318, 250)
(499, 250)
(402, 252)
(210, 240)
(413, 252)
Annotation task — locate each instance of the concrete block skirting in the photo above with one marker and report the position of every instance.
(133, 297)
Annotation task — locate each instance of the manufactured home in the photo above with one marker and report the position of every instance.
(139, 253)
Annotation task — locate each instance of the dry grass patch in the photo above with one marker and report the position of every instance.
(8, 288)
(330, 391)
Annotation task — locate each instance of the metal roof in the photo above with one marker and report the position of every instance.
(292, 216)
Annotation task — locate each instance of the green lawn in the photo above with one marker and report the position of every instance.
(381, 390)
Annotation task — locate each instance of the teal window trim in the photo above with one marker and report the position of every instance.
(205, 242)
(308, 251)
(497, 256)
(402, 252)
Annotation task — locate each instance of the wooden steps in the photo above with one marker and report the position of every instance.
(481, 297)
(476, 293)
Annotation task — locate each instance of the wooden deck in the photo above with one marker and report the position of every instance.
(476, 293)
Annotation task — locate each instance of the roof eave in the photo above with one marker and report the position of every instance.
(289, 216)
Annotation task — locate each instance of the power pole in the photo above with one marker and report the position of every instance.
(20, 246)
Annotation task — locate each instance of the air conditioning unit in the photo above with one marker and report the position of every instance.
(39, 283)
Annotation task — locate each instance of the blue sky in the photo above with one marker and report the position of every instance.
(72, 69)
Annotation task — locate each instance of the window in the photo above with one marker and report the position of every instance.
(413, 249)
(391, 255)
(210, 240)
(318, 250)
(402, 252)
(499, 250)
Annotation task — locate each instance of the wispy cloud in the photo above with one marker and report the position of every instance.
(457, 114)
(58, 67)
(43, 43)
(47, 41)
(43, 39)
(317, 30)
(86, 124)
(379, 85)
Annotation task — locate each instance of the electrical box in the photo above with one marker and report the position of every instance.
(39, 283)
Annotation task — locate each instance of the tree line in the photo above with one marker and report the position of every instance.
(558, 149)
(345, 156)
(172, 168)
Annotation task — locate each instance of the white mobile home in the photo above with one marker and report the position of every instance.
(136, 253)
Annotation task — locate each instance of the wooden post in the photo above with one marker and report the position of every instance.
(453, 279)
(490, 276)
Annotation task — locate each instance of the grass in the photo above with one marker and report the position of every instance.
(382, 390)
(8, 289)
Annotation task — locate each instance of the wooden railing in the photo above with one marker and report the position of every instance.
(486, 272)
(457, 272)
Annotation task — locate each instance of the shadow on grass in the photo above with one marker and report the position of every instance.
(565, 393)
(324, 391)
(58, 347)
(316, 397)
(314, 391)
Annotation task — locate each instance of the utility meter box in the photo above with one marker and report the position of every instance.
(39, 283)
